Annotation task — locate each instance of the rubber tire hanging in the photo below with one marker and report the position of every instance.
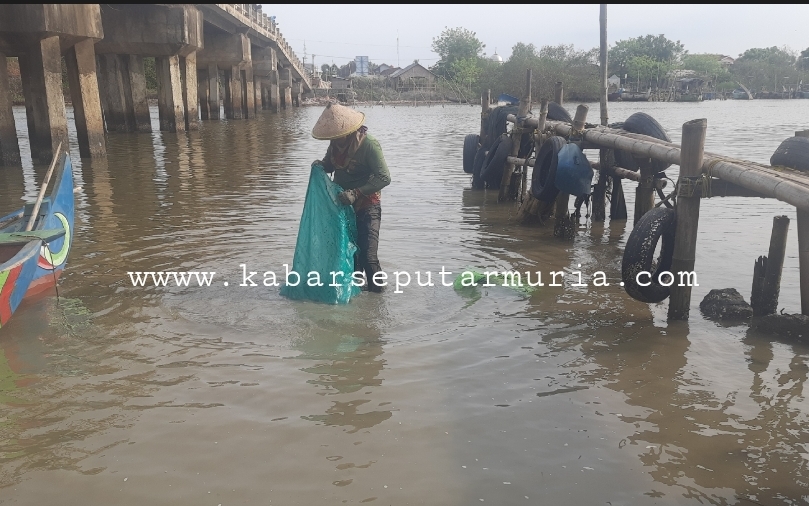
(543, 179)
(470, 148)
(656, 225)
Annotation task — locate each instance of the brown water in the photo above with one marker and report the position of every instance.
(234, 395)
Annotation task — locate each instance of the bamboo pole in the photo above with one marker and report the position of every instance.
(685, 239)
(602, 19)
(803, 258)
(42, 190)
(531, 206)
(516, 136)
(485, 101)
(767, 270)
(580, 118)
(559, 93)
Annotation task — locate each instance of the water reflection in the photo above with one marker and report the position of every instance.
(349, 355)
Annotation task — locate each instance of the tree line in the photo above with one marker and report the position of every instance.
(650, 61)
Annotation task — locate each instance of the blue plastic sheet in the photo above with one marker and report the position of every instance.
(326, 244)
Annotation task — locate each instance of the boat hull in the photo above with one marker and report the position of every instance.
(16, 275)
(44, 260)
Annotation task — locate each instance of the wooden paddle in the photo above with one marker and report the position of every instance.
(41, 196)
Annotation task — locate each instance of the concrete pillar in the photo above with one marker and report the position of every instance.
(227, 99)
(114, 91)
(9, 145)
(213, 91)
(236, 96)
(297, 92)
(136, 94)
(286, 84)
(275, 94)
(44, 84)
(188, 71)
(81, 74)
(28, 97)
(250, 84)
(169, 94)
(202, 94)
(265, 98)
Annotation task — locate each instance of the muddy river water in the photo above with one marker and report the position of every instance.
(226, 395)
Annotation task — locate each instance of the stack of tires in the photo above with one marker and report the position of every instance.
(486, 158)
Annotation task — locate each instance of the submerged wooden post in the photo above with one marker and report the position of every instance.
(559, 93)
(803, 258)
(767, 271)
(645, 191)
(602, 19)
(688, 200)
(485, 101)
(531, 206)
(606, 160)
(516, 135)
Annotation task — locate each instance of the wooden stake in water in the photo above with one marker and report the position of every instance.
(603, 61)
(42, 190)
(685, 239)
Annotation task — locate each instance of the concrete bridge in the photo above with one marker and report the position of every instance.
(206, 56)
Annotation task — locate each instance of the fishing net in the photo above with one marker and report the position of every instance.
(324, 252)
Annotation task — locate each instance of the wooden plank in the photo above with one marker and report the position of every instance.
(25, 237)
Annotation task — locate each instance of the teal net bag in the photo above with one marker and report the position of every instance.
(326, 245)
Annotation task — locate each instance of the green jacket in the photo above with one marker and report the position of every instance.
(366, 170)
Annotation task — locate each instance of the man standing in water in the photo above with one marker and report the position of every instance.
(359, 168)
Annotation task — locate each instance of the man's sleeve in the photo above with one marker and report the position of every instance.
(380, 176)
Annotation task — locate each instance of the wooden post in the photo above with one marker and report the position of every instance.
(606, 159)
(803, 258)
(767, 270)
(485, 101)
(685, 240)
(580, 118)
(559, 93)
(525, 105)
(645, 191)
(530, 206)
(603, 61)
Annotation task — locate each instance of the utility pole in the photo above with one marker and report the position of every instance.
(398, 64)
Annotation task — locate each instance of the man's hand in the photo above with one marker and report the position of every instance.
(347, 197)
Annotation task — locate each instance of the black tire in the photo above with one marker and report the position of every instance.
(480, 158)
(657, 224)
(793, 152)
(543, 179)
(558, 113)
(492, 171)
(470, 148)
(642, 123)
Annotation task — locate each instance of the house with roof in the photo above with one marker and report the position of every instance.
(413, 77)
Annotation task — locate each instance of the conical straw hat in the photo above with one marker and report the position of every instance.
(337, 121)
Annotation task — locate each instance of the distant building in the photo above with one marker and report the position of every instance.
(388, 71)
(413, 77)
(340, 83)
(382, 68)
(496, 57)
(614, 82)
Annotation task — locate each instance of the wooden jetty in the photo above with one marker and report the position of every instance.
(702, 175)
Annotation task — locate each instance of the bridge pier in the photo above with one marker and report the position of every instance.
(81, 73)
(188, 75)
(275, 93)
(9, 144)
(169, 94)
(213, 91)
(42, 88)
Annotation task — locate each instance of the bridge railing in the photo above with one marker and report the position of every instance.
(265, 25)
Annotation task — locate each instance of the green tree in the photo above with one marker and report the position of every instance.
(803, 60)
(656, 47)
(455, 44)
(767, 69)
(707, 65)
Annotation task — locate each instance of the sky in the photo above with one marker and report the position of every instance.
(338, 33)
